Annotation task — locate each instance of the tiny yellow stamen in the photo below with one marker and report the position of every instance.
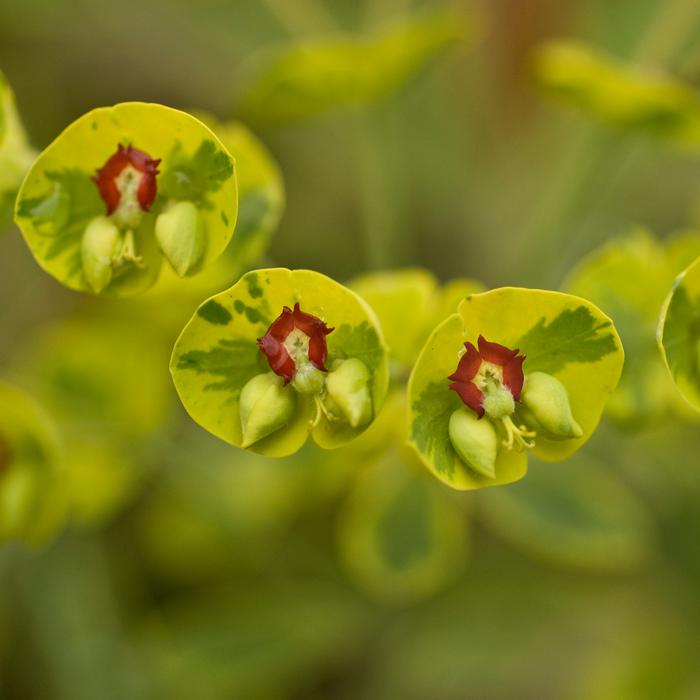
(517, 436)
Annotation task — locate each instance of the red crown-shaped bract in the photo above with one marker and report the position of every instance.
(272, 343)
(470, 363)
(106, 177)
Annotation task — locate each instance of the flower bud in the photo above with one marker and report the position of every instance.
(546, 398)
(266, 405)
(100, 245)
(475, 441)
(348, 387)
(180, 236)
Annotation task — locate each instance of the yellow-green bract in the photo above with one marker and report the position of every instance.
(628, 97)
(679, 333)
(58, 199)
(216, 355)
(15, 153)
(560, 334)
(32, 506)
(610, 277)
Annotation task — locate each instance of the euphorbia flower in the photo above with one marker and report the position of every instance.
(510, 405)
(492, 365)
(293, 341)
(330, 390)
(128, 175)
(122, 188)
(489, 381)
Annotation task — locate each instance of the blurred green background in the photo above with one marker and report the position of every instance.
(157, 562)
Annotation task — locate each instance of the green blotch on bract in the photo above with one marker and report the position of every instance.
(214, 312)
(573, 336)
(72, 202)
(193, 177)
(251, 313)
(682, 335)
(360, 342)
(405, 530)
(430, 429)
(234, 361)
(254, 289)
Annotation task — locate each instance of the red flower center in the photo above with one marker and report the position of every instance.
(126, 173)
(295, 337)
(491, 367)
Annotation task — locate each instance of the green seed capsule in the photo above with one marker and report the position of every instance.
(546, 398)
(475, 441)
(180, 235)
(348, 387)
(266, 405)
(101, 242)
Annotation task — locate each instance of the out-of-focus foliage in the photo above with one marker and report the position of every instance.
(627, 97)
(577, 515)
(401, 536)
(32, 502)
(105, 383)
(679, 333)
(15, 153)
(309, 77)
(611, 277)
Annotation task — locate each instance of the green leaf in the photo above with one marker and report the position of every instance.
(679, 333)
(217, 354)
(58, 197)
(578, 515)
(309, 77)
(539, 323)
(401, 536)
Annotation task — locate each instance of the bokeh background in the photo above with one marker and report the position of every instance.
(161, 563)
